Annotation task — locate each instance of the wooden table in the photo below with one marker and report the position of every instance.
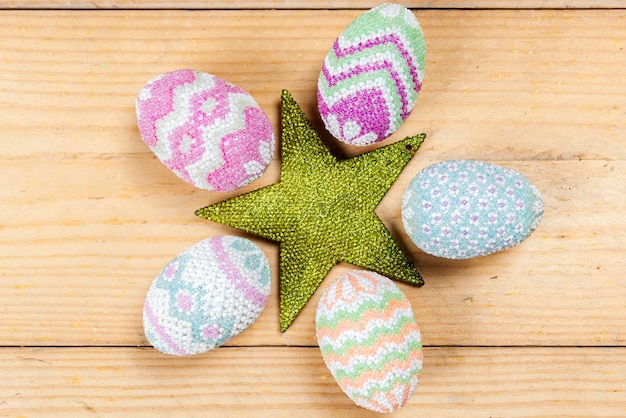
(88, 216)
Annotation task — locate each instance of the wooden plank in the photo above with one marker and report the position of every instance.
(307, 4)
(76, 267)
(260, 382)
(550, 86)
(89, 216)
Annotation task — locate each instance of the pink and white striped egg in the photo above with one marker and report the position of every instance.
(209, 132)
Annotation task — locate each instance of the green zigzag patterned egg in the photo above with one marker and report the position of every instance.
(372, 75)
(369, 340)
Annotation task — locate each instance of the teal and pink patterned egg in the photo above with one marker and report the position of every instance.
(372, 75)
(208, 131)
(463, 209)
(369, 340)
(208, 294)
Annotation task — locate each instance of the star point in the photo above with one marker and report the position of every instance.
(322, 211)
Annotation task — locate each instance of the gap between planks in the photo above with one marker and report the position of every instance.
(305, 5)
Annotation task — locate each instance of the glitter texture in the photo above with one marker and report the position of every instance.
(461, 209)
(372, 75)
(322, 211)
(206, 295)
(369, 340)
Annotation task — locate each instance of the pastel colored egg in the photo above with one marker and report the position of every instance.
(208, 294)
(208, 131)
(372, 75)
(369, 340)
(463, 209)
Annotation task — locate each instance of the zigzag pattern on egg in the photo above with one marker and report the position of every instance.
(372, 75)
(208, 131)
(369, 340)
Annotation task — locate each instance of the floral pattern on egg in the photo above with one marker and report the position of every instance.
(461, 209)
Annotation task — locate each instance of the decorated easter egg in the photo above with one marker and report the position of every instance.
(463, 209)
(372, 75)
(206, 295)
(369, 340)
(208, 131)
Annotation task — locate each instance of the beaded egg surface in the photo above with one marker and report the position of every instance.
(372, 75)
(369, 340)
(461, 209)
(208, 131)
(206, 295)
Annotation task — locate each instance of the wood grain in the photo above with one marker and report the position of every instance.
(77, 267)
(261, 382)
(88, 216)
(307, 4)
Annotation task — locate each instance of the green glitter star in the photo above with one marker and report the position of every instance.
(322, 211)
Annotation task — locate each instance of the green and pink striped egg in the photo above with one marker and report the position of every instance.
(369, 340)
(372, 75)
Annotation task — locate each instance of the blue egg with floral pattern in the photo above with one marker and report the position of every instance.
(460, 209)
